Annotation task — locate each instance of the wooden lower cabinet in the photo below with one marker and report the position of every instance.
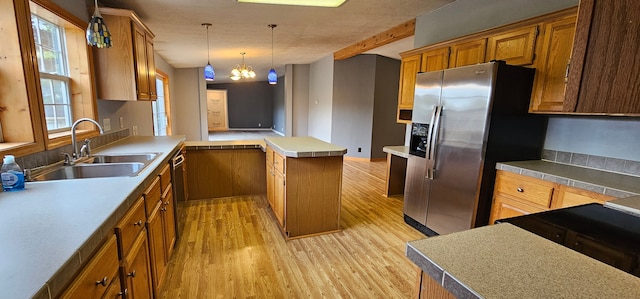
(114, 291)
(431, 289)
(97, 275)
(136, 271)
(156, 247)
(306, 193)
(516, 195)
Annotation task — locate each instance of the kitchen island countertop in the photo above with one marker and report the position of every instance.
(504, 261)
(304, 147)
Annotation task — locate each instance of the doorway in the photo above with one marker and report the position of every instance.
(217, 119)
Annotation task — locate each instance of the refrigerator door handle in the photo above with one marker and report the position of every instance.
(429, 136)
(435, 128)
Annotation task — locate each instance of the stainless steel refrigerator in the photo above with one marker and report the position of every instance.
(464, 121)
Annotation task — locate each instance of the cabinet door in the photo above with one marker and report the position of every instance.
(435, 60)
(94, 278)
(279, 200)
(468, 53)
(140, 56)
(515, 47)
(507, 207)
(114, 291)
(271, 179)
(136, 270)
(156, 246)
(565, 196)
(151, 68)
(408, 69)
(603, 76)
(552, 66)
(168, 223)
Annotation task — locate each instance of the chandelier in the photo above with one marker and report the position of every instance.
(242, 71)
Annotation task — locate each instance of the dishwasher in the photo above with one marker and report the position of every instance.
(179, 198)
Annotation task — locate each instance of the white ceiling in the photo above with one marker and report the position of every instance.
(303, 35)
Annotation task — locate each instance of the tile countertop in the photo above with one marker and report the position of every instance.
(604, 182)
(504, 261)
(304, 147)
(51, 227)
(226, 144)
(397, 150)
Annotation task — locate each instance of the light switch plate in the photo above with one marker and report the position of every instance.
(121, 122)
(135, 130)
(106, 124)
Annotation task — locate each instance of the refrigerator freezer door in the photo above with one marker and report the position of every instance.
(465, 101)
(427, 95)
(415, 197)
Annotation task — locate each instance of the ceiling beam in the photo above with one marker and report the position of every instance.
(394, 34)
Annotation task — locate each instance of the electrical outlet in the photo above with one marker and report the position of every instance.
(259, 125)
(106, 124)
(121, 122)
(135, 130)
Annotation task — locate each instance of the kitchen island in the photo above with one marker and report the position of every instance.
(504, 261)
(304, 185)
(49, 230)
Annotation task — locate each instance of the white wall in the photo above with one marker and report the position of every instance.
(300, 99)
(321, 98)
(190, 97)
(133, 113)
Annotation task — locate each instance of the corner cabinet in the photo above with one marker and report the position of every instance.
(126, 71)
(603, 75)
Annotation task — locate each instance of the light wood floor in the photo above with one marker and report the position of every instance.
(232, 248)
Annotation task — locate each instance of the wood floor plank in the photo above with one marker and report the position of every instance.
(232, 248)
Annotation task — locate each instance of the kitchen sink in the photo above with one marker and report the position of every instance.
(81, 171)
(122, 158)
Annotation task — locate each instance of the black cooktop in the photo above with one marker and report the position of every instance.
(605, 234)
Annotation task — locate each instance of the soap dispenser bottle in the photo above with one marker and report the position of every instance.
(12, 176)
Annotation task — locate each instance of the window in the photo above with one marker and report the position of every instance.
(161, 106)
(54, 79)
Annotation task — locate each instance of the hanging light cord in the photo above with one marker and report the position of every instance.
(207, 25)
(272, 26)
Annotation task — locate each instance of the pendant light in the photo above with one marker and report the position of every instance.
(272, 77)
(209, 74)
(98, 34)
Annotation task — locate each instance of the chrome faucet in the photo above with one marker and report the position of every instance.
(77, 154)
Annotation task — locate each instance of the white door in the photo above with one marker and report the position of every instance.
(217, 110)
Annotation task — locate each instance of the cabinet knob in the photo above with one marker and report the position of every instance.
(138, 223)
(124, 293)
(102, 282)
(132, 273)
(520, 190)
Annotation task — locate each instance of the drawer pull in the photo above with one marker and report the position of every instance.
(520, 190)
(138, 223)
(132, 273)
(103, 282)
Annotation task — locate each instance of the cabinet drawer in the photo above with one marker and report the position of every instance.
(152, 196)
(269, 155)
(165, 178)
(278, 162)
(97, 274)
(130, 225)
(537, 192)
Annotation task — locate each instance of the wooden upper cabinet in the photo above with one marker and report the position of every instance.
(409, 67)
(603, 75)
(515, 47)
(435, 60)
(468, 53)
(126, 71)
(551, 66)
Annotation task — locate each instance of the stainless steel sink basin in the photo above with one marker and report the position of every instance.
(122, 158)
(80, 171)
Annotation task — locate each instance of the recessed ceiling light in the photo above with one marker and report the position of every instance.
(323, 3)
